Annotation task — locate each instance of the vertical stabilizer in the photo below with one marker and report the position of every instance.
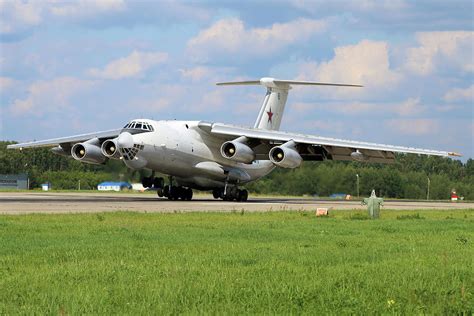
(273, 106)
(272, 109)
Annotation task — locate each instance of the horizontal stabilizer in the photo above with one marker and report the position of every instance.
(283, 84)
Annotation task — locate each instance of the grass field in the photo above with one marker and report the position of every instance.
(234, 263)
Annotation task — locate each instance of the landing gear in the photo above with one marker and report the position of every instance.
(231, 194)
(174, 193)
(153, 182)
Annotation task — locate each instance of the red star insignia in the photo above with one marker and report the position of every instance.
(270, 115)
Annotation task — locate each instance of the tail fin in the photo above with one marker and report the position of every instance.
(271, 112)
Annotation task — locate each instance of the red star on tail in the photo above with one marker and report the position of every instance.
(270, 115)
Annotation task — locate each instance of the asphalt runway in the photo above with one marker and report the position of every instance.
(46, 202)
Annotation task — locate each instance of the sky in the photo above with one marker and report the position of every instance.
(72, 67)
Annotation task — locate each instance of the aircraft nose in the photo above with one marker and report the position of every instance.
(125, 140)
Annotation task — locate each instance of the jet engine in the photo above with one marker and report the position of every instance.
(88, 152)
(237, 151)
(285, 156)
(109, 149)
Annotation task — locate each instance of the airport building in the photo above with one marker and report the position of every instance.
(14, 181)
(114, 186)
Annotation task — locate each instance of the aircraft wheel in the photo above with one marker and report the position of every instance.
(189, 194)
(158, 182)
(174, 193)
(183, 193)
(244, 196)
(159, 191)
(216, 194)
(147, 182)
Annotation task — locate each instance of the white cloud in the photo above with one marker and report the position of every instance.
(132, 66)
(414, 126)
(365, 63)
(18, 16)
(438, 48)
(21, 16)
(316, 6)
(458, 94)
(6, 84)
(49, 96)
(409, 107)
(83, 8)
(197, 73)
(230, 36)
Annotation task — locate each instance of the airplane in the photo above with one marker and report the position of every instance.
(219, 157)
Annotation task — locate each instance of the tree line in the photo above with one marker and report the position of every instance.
(406, 178)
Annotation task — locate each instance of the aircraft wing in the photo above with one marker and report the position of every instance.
(319, 148)
(68, 141)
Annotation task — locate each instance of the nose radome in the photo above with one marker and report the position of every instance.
(125, 140)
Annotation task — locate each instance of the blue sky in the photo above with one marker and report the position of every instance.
(80, 66)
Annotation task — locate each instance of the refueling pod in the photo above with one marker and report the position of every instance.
(286, 156)
(237, 150)
(88, 151)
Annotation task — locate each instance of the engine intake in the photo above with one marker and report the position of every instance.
(237, 151)
(88, 152)
(285, 156)
(109, 149)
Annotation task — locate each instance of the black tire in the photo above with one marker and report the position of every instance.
(174, 193)
(159, 191)
(146, 182)
(216, 194)
(182, 193)
(189, 194)
(158, 183)
(245, 195)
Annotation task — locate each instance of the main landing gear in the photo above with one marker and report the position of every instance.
(174, 193)
(231, 193)
(170, 191)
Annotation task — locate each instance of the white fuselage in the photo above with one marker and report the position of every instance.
(190, 155)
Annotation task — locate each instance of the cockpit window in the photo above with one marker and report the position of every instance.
(139, 125)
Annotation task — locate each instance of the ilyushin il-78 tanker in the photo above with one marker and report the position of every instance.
(218, 157)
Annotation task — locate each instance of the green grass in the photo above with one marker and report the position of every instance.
(234, 263)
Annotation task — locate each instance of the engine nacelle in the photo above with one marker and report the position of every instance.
(109, 149)
(88, 152)
(285, 156)
(358, 156)
(237, 151)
